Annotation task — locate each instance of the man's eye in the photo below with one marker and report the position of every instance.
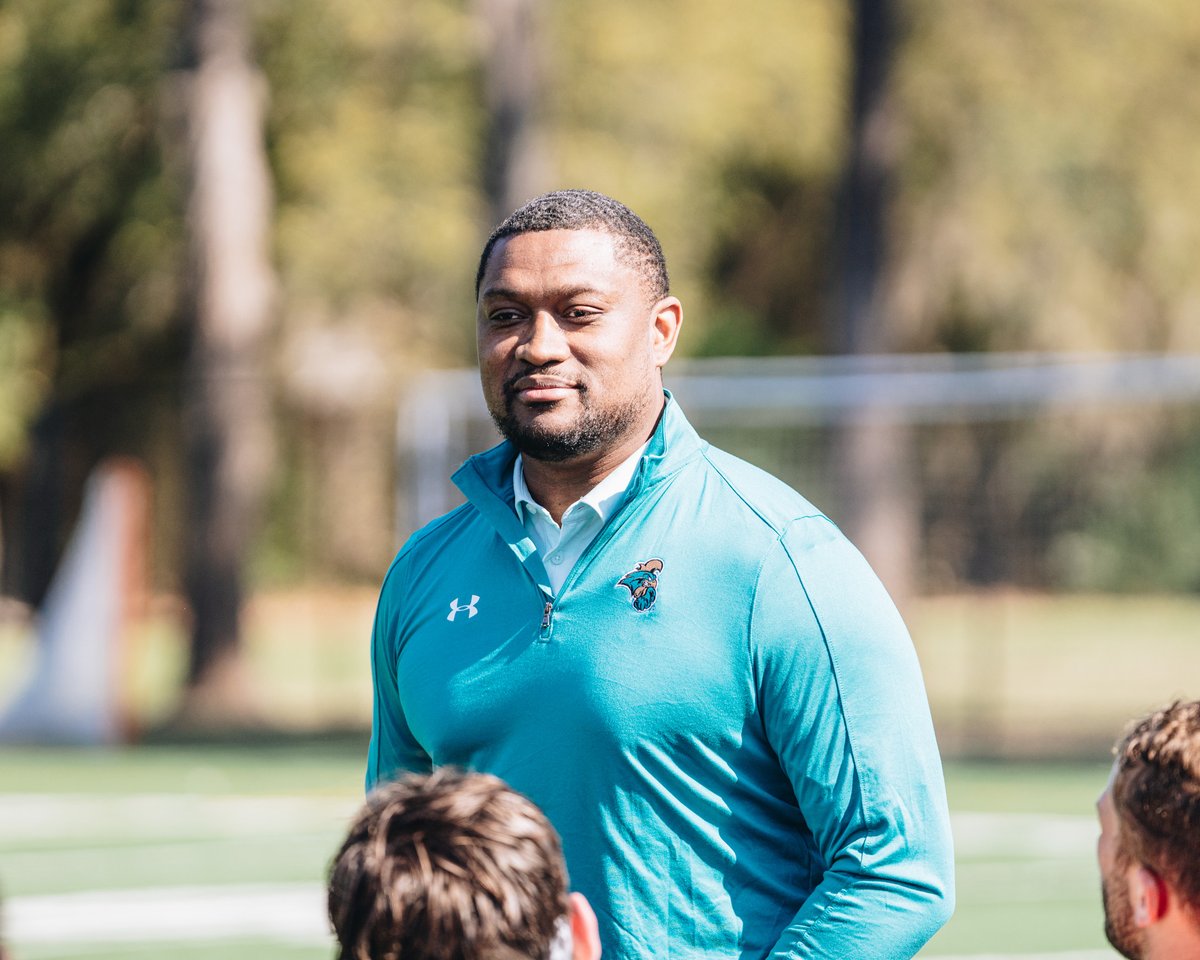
(501, 317)
(580, 313)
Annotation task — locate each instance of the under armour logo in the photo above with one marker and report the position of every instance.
(456, 608)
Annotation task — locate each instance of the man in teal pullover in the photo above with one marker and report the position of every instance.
(682, 661)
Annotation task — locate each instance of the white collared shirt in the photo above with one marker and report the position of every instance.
(561, 547)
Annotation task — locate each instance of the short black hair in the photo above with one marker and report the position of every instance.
(587, 210)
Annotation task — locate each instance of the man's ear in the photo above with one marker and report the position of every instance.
(1149, 895)
(668, 318)
(585, 932)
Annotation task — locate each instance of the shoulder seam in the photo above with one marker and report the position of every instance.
(418, 537)
(777, 543)
(432, 527)
(778, 529)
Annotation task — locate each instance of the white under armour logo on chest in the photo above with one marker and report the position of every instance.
(469, 608)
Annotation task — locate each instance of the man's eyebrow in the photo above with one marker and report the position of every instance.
(583, 290)
(499, 293)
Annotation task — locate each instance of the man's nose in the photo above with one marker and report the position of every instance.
(546, 342)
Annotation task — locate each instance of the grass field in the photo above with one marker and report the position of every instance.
(188, 852)
(202, 852)
(1021, 675)
(199, 853)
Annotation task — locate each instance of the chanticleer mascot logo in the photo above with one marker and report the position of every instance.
(642, 582)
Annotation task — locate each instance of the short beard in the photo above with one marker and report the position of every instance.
(593, 430)
(1119, 927)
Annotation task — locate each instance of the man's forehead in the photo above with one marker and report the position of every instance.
(556, 246)
(557, 252)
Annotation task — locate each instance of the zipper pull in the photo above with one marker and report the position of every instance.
(546, 615)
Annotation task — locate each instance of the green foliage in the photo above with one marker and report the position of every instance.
(86, 271)
(1043, 199)
(1047, 173)
(769, 267)
(1137, 529)
(1043, 194)
(22, 333)
(719, 127)
(374, 137)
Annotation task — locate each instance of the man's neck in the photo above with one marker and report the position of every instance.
(1177, 939)
(558, 485)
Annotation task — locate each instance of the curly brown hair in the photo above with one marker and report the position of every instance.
(448, 866)
(1156, 794)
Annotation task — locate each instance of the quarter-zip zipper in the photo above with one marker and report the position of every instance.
(603, 535)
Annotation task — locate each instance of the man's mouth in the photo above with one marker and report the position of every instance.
(535, 388)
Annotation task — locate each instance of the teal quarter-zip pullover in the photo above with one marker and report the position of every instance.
(721, 711)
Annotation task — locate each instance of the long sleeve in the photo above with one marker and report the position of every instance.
(844, 707)
(394, 749)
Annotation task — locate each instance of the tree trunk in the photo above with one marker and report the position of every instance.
(873, 450)
(227, 419)
(45, 514)
(514, 167)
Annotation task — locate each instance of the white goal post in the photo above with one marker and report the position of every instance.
(442, 418)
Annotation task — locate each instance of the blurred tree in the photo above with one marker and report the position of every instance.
(229, 436)
(872, 452)
(87, 243)
(1045, 170)
(1042, 188)
(725, 129)
(375, 137)
(771, 269)
(1045, 173)
(514, 160)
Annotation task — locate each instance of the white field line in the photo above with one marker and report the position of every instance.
(164, 860)
(293, 913)
(1040, 836)
(290, 913)
(296, 912)
(30, 817)
(1061, 955)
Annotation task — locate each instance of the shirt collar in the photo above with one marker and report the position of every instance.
(603, 498)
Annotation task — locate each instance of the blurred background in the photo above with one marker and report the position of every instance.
(939, 267)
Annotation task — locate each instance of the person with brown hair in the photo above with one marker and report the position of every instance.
(1149, 847)
(455, 866)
